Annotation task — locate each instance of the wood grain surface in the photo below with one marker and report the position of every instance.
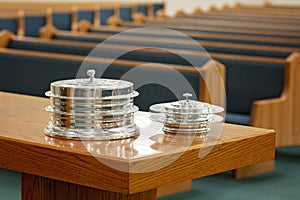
(122, 166)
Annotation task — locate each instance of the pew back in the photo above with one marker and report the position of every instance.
(36, 70)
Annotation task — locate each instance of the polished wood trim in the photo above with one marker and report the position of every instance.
(37, 187)
(97, 22)
(49, 17)
(5, 38)
(74, 18)
(150, 10)
(21, 23)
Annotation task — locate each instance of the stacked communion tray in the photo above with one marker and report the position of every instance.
(92, 109)
(186, 116)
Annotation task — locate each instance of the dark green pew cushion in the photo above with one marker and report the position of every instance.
(125, 14)
(49, 47)
(62, 21)
(86, 15)
(105, 14)
(157, 7)
(143, 9)
(33, 75)
(235, 118)
(247, 81)
(33, 25)
(9, 24)
(234, 40)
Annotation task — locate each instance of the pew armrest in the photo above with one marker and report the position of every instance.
(5, 38)
(138, 18)
(47, 31)
(84, 26)
(114, 21)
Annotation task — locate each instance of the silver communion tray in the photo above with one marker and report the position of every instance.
(186, 116)
(92, 109)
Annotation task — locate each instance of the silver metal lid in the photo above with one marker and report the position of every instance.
(186, 106)
(91, 88)
(186, 116)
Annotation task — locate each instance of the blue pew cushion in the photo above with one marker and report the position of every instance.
(235, 118)
(33, 25)
(86, 15)
(9, 24)
(62, 21)
(105, 14)
(125, 14)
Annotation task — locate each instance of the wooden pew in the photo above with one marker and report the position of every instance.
(243, 18)
(233, 63)
(275, 13)
(254, 16)
(55, 66)
(83, 48)
(223, 31)
(240, 39)
(184, 25)
(229, 23)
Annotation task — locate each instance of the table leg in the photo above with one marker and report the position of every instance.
(174, 188)
(252, 170)
(40, 188)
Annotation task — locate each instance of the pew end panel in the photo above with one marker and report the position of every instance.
(138, 18)
(160, 15)
(282, 113)
(114, 21)
(198, 11)
(84, 26)
(180, 13)
(47, 31)
(5, 38)
(214, 73)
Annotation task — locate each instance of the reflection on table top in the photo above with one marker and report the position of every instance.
(24, 118)
(125, 166)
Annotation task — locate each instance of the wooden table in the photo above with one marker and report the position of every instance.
(67, 169)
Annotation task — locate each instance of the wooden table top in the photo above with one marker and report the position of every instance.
(125, 166)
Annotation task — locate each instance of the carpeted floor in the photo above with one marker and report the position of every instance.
(282, 184)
